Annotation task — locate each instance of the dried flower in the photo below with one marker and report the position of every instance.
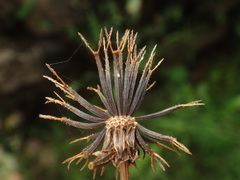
(121, 136)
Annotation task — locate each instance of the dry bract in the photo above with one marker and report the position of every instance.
(121, 91)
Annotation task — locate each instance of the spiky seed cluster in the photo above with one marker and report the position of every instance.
(121, 136)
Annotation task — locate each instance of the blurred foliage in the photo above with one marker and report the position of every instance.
(200, 43)
(25, 9)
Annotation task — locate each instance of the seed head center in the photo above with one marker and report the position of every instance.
(121, 122)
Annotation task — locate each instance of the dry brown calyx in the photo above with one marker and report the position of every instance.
(119, 145)
(120, 139)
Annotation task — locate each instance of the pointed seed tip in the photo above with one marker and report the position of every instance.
(48, 66)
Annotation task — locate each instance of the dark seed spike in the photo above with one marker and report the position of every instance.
(140, 93)
(157, 143)
(88, 150)
(107, 70)
(126, 86)
(74, 110)
(153, 155)
(168, 110)
(153, 134)
(164, 138)
(129, 64)
(142, 87)
(96, 143)
(73, 123)
(104, 100)
(102, 78)
(133, 77)
(98, 61)
(120, 57)
(74, 95)
(101, 74)
(142, 143)
(132, 80)
(117, 68)
(145, 87)
(91, 108)
(118, 72)
(108, 75)
(107, 67)
(131, 71)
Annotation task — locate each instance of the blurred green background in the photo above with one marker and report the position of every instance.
(200, 43)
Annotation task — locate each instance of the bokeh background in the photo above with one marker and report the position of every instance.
(200, 43)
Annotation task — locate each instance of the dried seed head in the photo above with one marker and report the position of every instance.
(121, 137)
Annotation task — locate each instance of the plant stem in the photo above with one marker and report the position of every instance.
(124, 172)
